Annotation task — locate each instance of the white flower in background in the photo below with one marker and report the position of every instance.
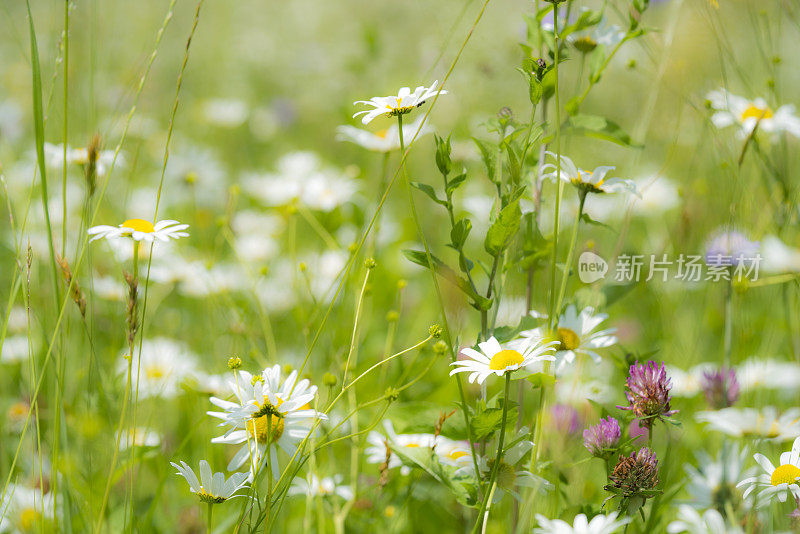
(754, 423)
(327, 190)
(26, 509)
(379, 445)
(195, 175)
(711, 522)
(768, 374)
(494, 359)
(15, 348)
(599, 524)
(510, 311)
(690, 382)
(453, 453)
(11, 117)
(657, 195)
(109, 288)
(385, 140)
(313, 486)
(405, 102)
(139, 437)
(713, 482)
(778, 481)
(165, 364)
(778, 257)
(212, 487)
(576, 386)
(257, 235)
(602, 34)
(54, 156)
(577, 335)
(225, 112)
(595, 181)
(732, 110)
(199, 279)
(140, 230)
(267, 411)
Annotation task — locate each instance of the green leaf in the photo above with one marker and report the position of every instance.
(540, 380)
(459, 233)
(489, 156)
(588, 220)
(600, 128)
(420, 258)
(430, 191)
(455, 183)
(487, 422)
(503, 229)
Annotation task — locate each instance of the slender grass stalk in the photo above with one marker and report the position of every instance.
(570, 252)
(559, 185)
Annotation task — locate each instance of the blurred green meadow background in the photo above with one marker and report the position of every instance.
(273, 271)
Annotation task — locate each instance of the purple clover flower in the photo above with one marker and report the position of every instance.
(720, 388)
(564, 419)
(635, 473)
(648, 393)
(602, 437)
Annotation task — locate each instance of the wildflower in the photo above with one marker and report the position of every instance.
(385, 140)
(732, 110)
(780, 481)
(712, 484)
(600, 524)
(711, 522)
(564, 419)
(268, 412)
(603, 438)
(211, 488)
(101, 160)
(731, 247)
(140, 230)
(576, 335)
(494, 359)
(160, 367)
(381, 445)
(403, 103)
(721, 388)
(648, 393)
(314, 486)
(768, 374)
(139, 437)
(751, 422)
(26, 509)
(587, 181)
(635, 476)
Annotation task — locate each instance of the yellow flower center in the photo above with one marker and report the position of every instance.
(756, 112)
(785, 474)
(568, 338)
(208, 498)
(271, 421)
(139, 225)
(412, 445)
(504, 359)
(455, 455)
(154, 372)
(382, 133)
(28, 519)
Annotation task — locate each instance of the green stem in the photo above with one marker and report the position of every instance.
(726, 353)
(563, 289)
(559, 185)
(498, 457)
(209, 515)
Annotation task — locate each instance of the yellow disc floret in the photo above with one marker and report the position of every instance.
(505, 359)
(568, 338)
(267, 420)
(756, 112)
(139, 225)
(785, 474)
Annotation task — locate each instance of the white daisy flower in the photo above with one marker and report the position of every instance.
(403, 103)
(576, 335)
(54, 155)
(211, 488)
(778, 481)
(732, 110)
(600, 524)
(768, 374)
(453, 453)
(15, 348)
(267, 411)
(313, 486)
(587, 181)
(385, 140)
(754, 423)
(25, 509)
(778, 256)
(139, 437)
(141, 230)
(164, 365)
(712, 483)
(109, 288)
(225, 112)
(376, 449)
(711, 522)
(494, 359)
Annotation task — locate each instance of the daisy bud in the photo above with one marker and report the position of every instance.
(391, 394)
(720, 388)
(443, 161)
(234, 362)
(648, 393)
(603, 437)
(302, 266)
(435, 331)
(329, 379)
(439, 348)
(370, 263)
(256, 379)
(392, 316)
(401, 284)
